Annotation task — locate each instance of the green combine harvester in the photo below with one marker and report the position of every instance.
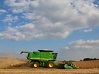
(46, 58)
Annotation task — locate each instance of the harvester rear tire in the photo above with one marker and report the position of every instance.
(35, 65)
(50, 64)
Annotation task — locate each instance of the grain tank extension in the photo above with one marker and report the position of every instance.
(43, 58)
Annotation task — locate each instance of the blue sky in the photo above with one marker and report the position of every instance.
(69, 27)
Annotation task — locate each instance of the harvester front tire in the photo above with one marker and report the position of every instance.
(50, 64)
(35, 65)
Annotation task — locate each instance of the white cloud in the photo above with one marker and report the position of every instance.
(17, 6)
(83, 45)
(11, 33)
(10, 19)
(66, 48)
(2, 11)
(30, 31)
(27, 27)
(55, 18)
(88, 30)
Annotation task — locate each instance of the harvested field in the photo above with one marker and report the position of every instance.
(18, 66)
(10, 62)
(49, 71)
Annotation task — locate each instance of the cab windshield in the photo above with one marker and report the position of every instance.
(54, 55)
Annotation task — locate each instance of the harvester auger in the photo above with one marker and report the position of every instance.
(43, 58)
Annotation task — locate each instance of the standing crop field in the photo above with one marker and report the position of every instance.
(87, 64)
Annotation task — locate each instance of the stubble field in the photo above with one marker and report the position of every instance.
(19, 66)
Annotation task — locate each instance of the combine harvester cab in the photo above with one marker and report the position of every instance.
(44, 58)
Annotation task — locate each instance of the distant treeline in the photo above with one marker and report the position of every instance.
(86, 59)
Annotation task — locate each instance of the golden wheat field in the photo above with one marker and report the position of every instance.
(19, 66)
(87, 64)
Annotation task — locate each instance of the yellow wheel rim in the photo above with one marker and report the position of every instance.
(35, 65)
(51, 65)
